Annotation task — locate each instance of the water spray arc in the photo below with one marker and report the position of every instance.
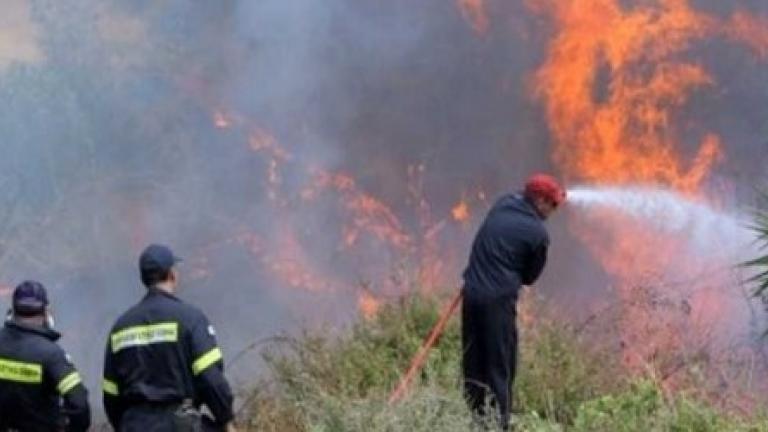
(669, 212)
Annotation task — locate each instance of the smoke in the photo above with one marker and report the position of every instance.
(109, 143)
(19, 36)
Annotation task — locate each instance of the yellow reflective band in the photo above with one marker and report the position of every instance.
(145, 335)
(29, 373)
(206, 360)
(109, 387)
(68, 383)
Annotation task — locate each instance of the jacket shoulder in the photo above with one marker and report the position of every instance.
(543, 232)
(127, 318)
(194, 315)
(50, 351)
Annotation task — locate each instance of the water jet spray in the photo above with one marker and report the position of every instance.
(708, 229)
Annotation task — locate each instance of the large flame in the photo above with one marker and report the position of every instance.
(615, 85)
(614, 80)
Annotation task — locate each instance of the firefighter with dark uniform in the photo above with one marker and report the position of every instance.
(509, 251)
(40, 389)
(162, 362)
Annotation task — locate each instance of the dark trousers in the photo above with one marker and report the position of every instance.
(489, 342)
(156, 418)
(148, 418)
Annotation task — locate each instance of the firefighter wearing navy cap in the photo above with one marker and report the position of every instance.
(162, 362)
(509, 251)
(40, 389)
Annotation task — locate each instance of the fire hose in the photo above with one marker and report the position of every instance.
(418, 361)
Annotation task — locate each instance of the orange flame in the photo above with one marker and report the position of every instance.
(289, 263)
(616, 127)
(474, 11)
(260, 141)
(292, 265)
(364, 220)
(614, 79)
(613, 84)
(460, 212)
(751, 31)
(368, 213)
(368, 305)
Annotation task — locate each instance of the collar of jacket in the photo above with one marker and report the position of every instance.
(45, 332)
(529, 203)
(151, 292)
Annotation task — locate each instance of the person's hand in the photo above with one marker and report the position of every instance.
(230, 427)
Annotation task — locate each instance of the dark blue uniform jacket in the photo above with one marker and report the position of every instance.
(510, 250)
(40, 389)
(160, 353)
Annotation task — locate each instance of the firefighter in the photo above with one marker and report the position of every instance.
(40, 389)
(162, 361)
(509, 251)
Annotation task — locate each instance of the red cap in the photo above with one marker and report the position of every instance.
(545, 186)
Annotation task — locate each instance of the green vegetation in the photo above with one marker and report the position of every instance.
(760, 264)
(318, 382)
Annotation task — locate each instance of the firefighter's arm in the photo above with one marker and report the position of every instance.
(113, 405)
(69, 385)
(208, 370)
(536, 263)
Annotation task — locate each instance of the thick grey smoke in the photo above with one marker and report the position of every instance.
(108, 143)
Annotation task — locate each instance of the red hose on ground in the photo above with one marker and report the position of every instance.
(418, 360)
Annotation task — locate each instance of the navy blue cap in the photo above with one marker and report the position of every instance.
(157, 258)
(30, 298)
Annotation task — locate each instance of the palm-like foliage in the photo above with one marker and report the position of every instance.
(760, 264)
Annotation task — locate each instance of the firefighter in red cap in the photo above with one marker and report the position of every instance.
(509, 251)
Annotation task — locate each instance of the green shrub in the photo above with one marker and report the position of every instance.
(559, 369)
(634, 409)
(644, 408)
